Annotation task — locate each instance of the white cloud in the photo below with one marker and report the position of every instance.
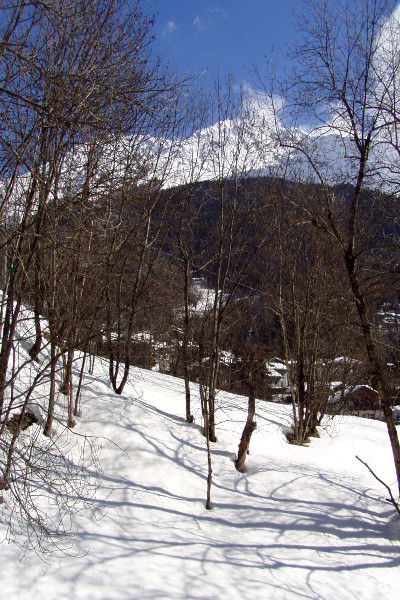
(218, 11)
(261, 105)
(388, 46)
(386, 64)
(169, 28)
(198, 22)
(206, 22)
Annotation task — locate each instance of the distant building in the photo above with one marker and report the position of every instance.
(361, 401)
(277, 377)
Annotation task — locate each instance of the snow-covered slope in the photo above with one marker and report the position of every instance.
(300, 523)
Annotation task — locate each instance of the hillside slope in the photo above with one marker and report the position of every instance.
(300, 523)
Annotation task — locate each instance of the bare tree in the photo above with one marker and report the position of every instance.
(77, 78)
(234, 204)
(253, 372)
(338, 87)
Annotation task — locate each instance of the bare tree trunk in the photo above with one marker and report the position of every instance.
(186, 332)
(376, 369)
(249, 427)
(71, 420)
(77, 411)
(215, 360)
(9, 327)
(35, 349)
(4, 481)
(91, 361)
(52, 394)
(209, 473)
(204, 411)
(66, 387)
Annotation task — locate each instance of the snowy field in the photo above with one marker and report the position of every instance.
(302, 522)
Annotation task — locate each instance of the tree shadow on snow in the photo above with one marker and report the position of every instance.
(265, 540)
(357, 536)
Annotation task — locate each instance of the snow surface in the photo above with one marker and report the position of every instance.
(301, 522)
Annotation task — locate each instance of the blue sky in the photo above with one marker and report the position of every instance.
(218, 36)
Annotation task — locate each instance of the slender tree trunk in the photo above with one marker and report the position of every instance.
(204, 411)
(376, 369)
(9, 327)
(6, 416)
(77, 412)
(4, 481)
(38, 302)
(67, 371)
(213, 377)
(67, 384)
(120, 388)
(91, 361)
(209, 473)
(71, 420)
(35, 350)
(52, 394)
(249, 427)
(185, 341)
